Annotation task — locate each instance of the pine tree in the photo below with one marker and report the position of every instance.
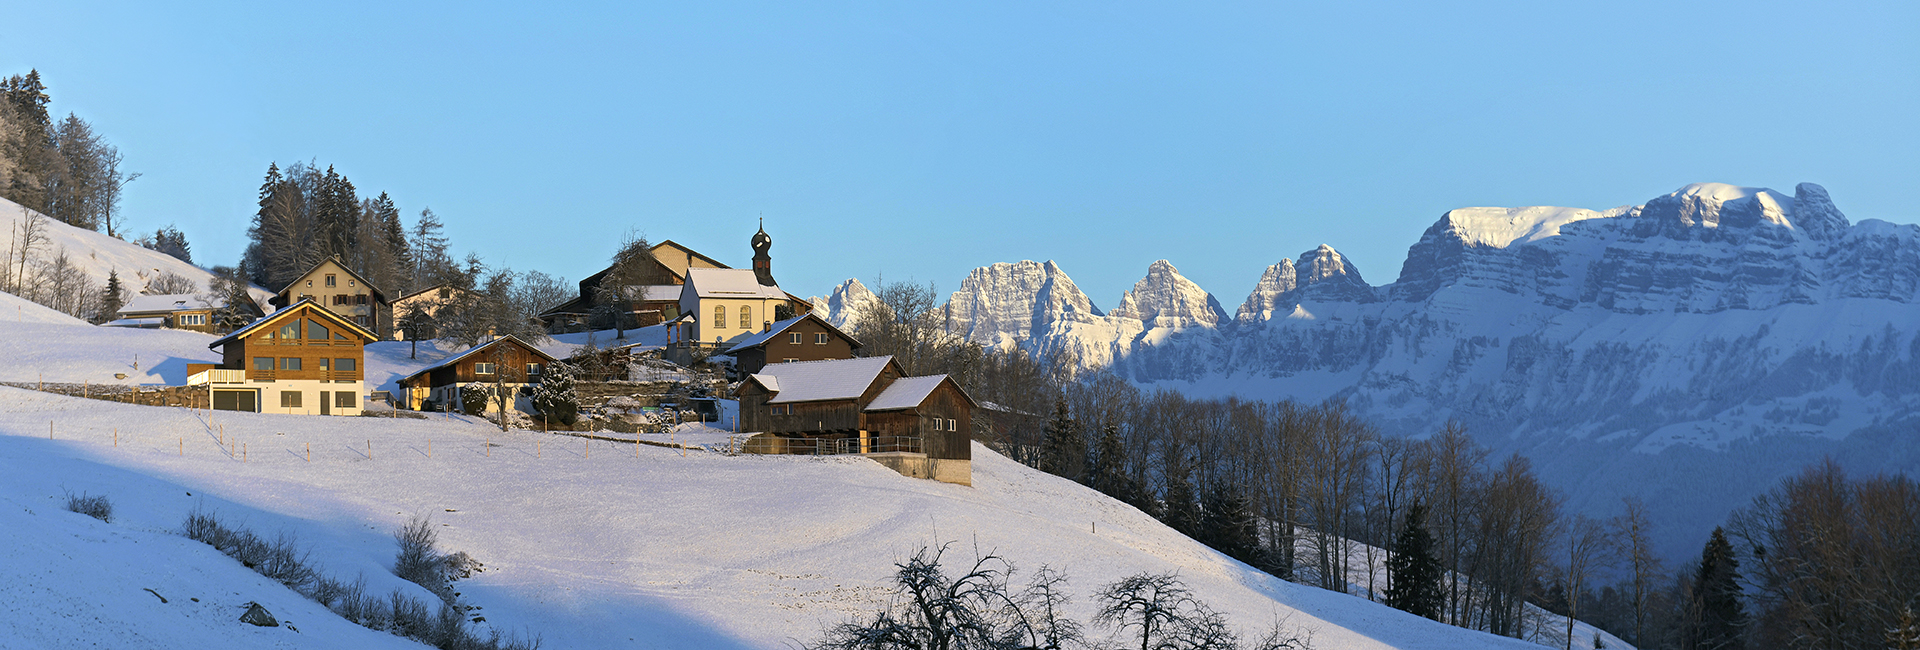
(555, 396)
(1227, 523)
(112, 298)
(1062, 449)
(1178, 507)
(1413, 571)
(1716, 615)
(1109, 466)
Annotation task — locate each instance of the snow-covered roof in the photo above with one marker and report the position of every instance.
(136, 322)
(165, 303)
(655, 292)
(771, 382)
(906, 393)
(730, 283)
(807, 381)
(780, 327)
(476, 349)
(250, 327)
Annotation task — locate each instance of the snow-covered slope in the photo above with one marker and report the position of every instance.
(1691, 349)
(608, 546)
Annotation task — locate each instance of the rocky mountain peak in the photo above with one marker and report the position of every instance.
(1164, 298)
(1269, 294)
(1324, 274)
(1007, 302)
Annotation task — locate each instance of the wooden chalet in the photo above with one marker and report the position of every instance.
(506, 361)
(179, 311)
(918, 426)
(651, 304)
(807, 337)
(302, 359)
(339, 289)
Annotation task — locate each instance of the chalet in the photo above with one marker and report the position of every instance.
(179, 311)
(506, 361)
(807, 337)
(302, 359)
(337, 288)
(428, 303)
(651, 304)
(918, 426)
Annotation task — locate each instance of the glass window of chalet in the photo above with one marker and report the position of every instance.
(533, 370)
(263, 363)
(819, 338)
(289, 399)
(291, 330)
(344, 365)
(482, 368)
(317, 332)
(794, 338)
(289, 363)
(343, 399)
(746, 317)
(324, 364)
(719, 317)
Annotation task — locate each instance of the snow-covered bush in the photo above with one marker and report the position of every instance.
(555, 397)
(91, 505)
(473, 399)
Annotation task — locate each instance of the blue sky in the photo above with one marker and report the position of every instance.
(921, 140)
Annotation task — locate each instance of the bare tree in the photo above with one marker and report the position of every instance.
(1634, 531)
(1589, 548)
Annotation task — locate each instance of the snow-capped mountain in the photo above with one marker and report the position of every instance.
(1715, 338)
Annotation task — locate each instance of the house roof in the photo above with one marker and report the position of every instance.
(475, 350)
(665, 243)
(761, 338)
(809, 381)
(730, 283)
(416, 294)
(377, 293)
(165, 303)
(136, 322)
(283, 313)
(906, 393)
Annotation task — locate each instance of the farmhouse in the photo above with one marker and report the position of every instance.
(506, 361)
(337, 288)
(918, 426)
(303, 359)
(806, 337)
(178, 311)
(650, 304)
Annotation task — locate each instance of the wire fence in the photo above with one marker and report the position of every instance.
(768, 444)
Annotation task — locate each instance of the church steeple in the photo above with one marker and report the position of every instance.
(762, 262)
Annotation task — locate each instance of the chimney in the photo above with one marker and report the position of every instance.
(766, 326)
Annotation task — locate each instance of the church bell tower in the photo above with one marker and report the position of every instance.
(762, 262)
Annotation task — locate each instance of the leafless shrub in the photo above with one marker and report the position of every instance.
(91, 505)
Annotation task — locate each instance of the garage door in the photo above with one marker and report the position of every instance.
(236, 400)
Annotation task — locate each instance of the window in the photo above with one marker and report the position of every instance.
(289, 399)
(289, 363)
(820, 338)
(339, 299)
(316, 331)
(533, 370)
(360, 299)
(482, 368)
(349, 283)
(330, 280)
(290, 330)
(719, 317)
(793, 338)
(953, 425)
(193, 319)
(360, 320)
(323, 364)
(345, 365)
(263, 363)
(344, 399)
(789, 360)
(309, 286)
(746, 317)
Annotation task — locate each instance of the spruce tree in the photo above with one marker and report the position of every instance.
(1063, 450)
(1109, 466)
(111, 299)
(1227, 523)
(1716, 616)
(1413, 571)
(555, 397)
(1178, 508)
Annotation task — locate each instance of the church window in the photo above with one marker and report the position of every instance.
(719, 317)
(746, 317)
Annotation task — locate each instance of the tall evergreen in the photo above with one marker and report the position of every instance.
(32, 152)
(1062, 449)
(1227, 522)
(1179, 509)
(1716, 616)
(111, 299)
(1413, 572)
(1109, 474)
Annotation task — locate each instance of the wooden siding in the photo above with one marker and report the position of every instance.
(265, 342)
(945, 403)
(517, 357)
(780, 348)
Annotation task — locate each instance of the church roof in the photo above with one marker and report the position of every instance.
(729, 283)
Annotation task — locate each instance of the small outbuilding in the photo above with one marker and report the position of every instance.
(918, 426)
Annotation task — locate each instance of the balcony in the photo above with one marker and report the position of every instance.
(217, 376)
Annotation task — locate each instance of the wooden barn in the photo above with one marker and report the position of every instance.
(919, 426)
(807, 337)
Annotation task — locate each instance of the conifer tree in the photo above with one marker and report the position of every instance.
(1413, 570)
(1109, 474)
(1179, 509)
(112, 298)
(555, 396)
(1227, 523)
(1062, 449)
(1716, 616)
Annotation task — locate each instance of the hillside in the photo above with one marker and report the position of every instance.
(1691, 350)
(97, 255)
(611, 545)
